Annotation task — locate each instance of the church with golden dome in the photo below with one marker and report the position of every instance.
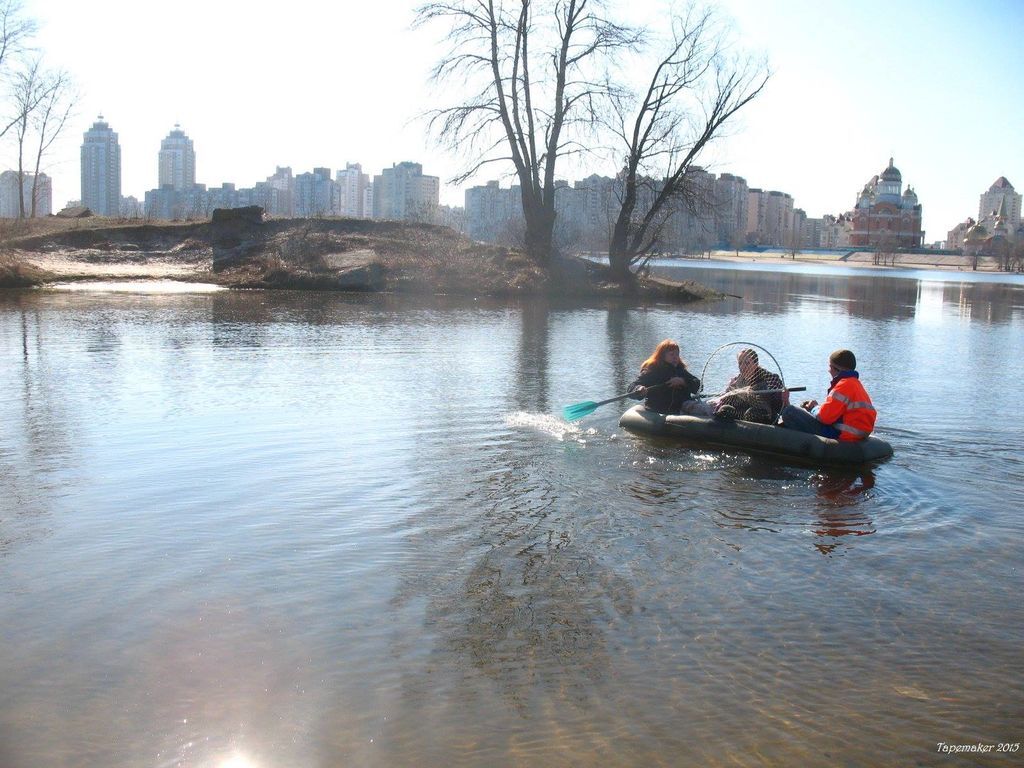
(885, 215)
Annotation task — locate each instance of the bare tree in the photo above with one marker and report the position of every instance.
(55, 107)
(1003, 251)
(42, 102)
(27, 96)
(15, 32)
(531, 69)
(886, 245)
(696, 87)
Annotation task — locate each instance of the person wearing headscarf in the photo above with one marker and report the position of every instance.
(753, 394)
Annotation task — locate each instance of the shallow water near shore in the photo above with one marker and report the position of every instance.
(293, 529)
(136, 286)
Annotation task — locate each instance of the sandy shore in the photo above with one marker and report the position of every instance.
(938, 261)
(364, 256)
(79, 264)
(65, 264)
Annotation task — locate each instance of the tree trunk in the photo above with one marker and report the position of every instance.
(540, 229)
(621, 251)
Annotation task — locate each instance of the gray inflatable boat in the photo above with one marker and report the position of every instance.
(755, 438)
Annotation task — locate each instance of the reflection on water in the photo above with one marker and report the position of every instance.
(311, 529)
(841, 514)
(993, 298)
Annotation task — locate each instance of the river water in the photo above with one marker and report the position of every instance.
(295, 529)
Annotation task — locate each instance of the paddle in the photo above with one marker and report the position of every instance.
(579, 410)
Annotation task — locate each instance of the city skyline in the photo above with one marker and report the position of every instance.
(920, 87)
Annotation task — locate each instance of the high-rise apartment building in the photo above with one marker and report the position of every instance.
(276, 193)
(1001, 195)
(794, 236)
(101, 170)
(314, 193)
(403, 192)
(770, 218)
(32, 188)
(594, 209)
(177, 162)
(711, 212)
(757, 205)
(731, 200)
(492, 213)
(779, 219)
(691, 215)
(351, 189)
(368, 209)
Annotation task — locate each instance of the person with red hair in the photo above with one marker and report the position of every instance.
(664, 381)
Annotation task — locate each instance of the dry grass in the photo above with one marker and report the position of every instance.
(311, 254)
(12, 231)
(17, 274)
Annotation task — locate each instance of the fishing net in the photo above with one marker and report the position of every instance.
(738, 379)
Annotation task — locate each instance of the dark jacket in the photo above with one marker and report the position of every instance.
(665, 399)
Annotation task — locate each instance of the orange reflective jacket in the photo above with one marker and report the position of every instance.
(848, 408)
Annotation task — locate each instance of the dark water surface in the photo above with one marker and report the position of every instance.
(254, 530)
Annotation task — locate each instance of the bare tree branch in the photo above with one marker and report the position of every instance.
(55, 107)
(15, 32)
(532, 63)
(695, 89)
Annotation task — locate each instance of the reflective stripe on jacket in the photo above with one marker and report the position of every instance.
(848, 408)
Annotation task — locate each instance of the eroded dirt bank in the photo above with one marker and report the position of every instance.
(315, 254)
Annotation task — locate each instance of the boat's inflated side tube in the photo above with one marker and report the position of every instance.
(759, 438)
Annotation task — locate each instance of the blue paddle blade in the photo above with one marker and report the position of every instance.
(579, 410)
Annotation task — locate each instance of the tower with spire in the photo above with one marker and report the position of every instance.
(177, 162)
(101, 170)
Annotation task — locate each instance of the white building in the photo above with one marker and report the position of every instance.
(101, 170)
(278, 192)
(351, 190)
(731, 209)
(779, 219)
(314, 194)
(177, 162)
(493, 214)
(692, 215)
(368, 209)
(770, 218)
(1001, 195)
(31, 187)
(402, 192)
(131, 208)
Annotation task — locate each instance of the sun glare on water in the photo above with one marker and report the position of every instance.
(237, 761)
(138, 286)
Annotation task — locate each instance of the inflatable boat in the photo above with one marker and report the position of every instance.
(755, 438)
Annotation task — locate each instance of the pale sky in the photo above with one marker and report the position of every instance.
(308, 83)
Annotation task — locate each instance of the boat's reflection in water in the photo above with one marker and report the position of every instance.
(837, 496)
(840, 495)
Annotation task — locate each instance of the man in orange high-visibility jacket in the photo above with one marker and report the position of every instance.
(846, 414)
